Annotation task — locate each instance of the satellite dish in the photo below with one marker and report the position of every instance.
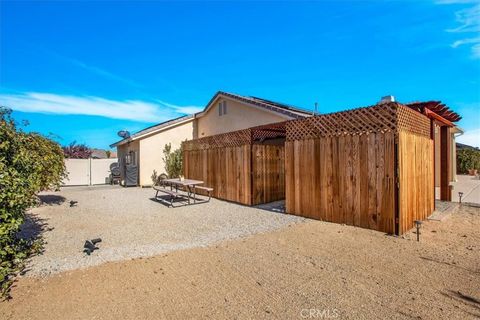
(123, 134)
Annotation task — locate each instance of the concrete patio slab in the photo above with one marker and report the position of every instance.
(470, 186)
(443, 210)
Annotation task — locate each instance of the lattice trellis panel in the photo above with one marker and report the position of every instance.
(413, 121)
(238, 138)
(386, 117)
(261, 135)
(269, 131)
(380, 118)
(229, 139)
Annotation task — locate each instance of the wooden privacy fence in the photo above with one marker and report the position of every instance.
(226, 170)
(344, 179)
(240, 166)
(268, 173)
(368, 167)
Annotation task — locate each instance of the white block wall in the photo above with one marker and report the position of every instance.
(86, 172)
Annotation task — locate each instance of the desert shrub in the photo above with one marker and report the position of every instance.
(29, 163)
(468, 159)
(77, 151)
(173, 161)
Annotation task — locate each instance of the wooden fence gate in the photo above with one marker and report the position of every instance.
(268, 173)
(245, 166)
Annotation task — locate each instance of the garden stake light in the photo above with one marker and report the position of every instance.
(418, 223)
(460, 195)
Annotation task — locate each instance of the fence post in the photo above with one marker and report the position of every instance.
(89, 171)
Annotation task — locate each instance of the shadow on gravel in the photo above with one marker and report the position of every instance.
(32, 231)
(51, 199)
(466, 299)
(449, 264)
(178, 202)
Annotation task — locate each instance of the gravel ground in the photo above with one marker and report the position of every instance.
(132, 224)
(312, 270)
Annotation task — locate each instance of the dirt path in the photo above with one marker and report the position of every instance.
(301, 272)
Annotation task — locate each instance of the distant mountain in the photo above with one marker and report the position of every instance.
(461, 146)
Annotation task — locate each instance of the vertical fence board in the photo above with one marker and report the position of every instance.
(416, 171)
(245, 174)
(268, 168)
(289, 177)
(223, 170)
(346, 179)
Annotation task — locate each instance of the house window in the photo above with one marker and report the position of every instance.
(222, 108)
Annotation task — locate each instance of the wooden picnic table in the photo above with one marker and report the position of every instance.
(189, 185)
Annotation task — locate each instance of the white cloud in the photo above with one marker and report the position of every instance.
(134, 110)
(102, 72)
(468, 19)
(182, 109)
(455, 1)
(471, 138)
(476, 50)
(92, 69)
(465, 41)
(469, 22)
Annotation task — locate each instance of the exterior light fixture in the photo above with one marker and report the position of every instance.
(418, 223)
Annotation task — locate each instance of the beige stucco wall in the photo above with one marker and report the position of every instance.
(239, 116)
(151, 149)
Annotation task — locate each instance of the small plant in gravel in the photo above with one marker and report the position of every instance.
(29, 163)
(173, 161)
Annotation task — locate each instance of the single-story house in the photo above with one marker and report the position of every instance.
(142, 152)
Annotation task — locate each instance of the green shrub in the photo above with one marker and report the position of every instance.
(29, 163)
(173, 161)
(468, 159)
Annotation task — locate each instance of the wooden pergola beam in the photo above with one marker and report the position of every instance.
(445, 167)
(442, 121)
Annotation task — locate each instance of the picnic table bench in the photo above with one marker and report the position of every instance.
(189, 185)
(207, 189)
(173, 194)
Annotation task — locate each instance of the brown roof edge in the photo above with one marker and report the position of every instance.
(279, 108)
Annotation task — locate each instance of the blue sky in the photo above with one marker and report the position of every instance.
(84, 70)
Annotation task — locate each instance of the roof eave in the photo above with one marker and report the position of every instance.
(277, 110)
(167, 125)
